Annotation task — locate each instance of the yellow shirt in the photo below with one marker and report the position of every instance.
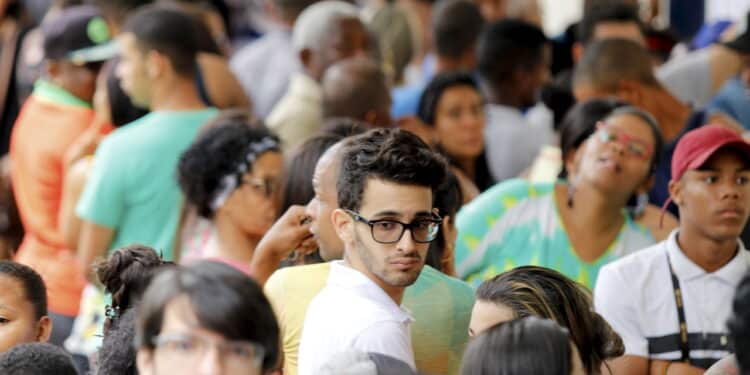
(440, 304)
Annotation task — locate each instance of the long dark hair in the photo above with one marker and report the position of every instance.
(427, 112)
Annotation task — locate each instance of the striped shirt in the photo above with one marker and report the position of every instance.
(636, 297)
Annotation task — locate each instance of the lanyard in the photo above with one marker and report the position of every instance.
(684, 342)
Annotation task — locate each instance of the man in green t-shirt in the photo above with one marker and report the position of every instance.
(131, 194)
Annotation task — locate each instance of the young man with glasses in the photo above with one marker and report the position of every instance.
(670, 302)
(386, 220)
(434, 300)
(206, 318)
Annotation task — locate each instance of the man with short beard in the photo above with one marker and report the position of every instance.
(386, 220)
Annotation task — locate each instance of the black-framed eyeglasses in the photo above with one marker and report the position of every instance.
(388, 231)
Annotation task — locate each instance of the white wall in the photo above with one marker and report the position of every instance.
(725, 9)
(558, 14)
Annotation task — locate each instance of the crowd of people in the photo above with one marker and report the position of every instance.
(402, 187)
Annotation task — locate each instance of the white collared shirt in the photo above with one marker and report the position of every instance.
(352, 312)
(512, 140)
(635, 295)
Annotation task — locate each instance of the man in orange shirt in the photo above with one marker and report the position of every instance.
(57, 112)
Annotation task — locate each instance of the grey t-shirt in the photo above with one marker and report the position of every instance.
(513, 140)
(688, 77)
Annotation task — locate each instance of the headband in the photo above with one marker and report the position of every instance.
(232, 180)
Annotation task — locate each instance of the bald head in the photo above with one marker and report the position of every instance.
(327, 32)
(608, 62)
(320, 208)
(328, 164)
(356, 88)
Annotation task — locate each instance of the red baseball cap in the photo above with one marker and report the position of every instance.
(698, 145)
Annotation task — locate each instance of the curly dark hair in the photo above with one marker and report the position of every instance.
(33, 286)
(117, 354)
(36, 358)
(539, 291)
(216, 152)
(390, 154)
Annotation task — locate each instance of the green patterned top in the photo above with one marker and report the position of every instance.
(516, 223)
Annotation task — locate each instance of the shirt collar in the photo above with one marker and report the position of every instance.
(46, 90)
(731, 273)
(345, 277)
(302, 85)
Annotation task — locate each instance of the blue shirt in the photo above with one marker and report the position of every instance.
(734, 100)
(406, 100)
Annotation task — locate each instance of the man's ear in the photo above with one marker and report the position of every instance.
(145, 361)
(343, 224)
(44, 329)
(155, 64)
(675, 192)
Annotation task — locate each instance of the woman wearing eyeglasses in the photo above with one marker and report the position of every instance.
(230, 176)
(574, 226)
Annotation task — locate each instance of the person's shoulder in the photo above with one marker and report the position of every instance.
(430, 277)
(433, 284)
(637, 262)
(497, 200)
(350, 311)
(132, 129)
(300, 274)
(513, 189)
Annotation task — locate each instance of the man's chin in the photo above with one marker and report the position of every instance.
(402, 279)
